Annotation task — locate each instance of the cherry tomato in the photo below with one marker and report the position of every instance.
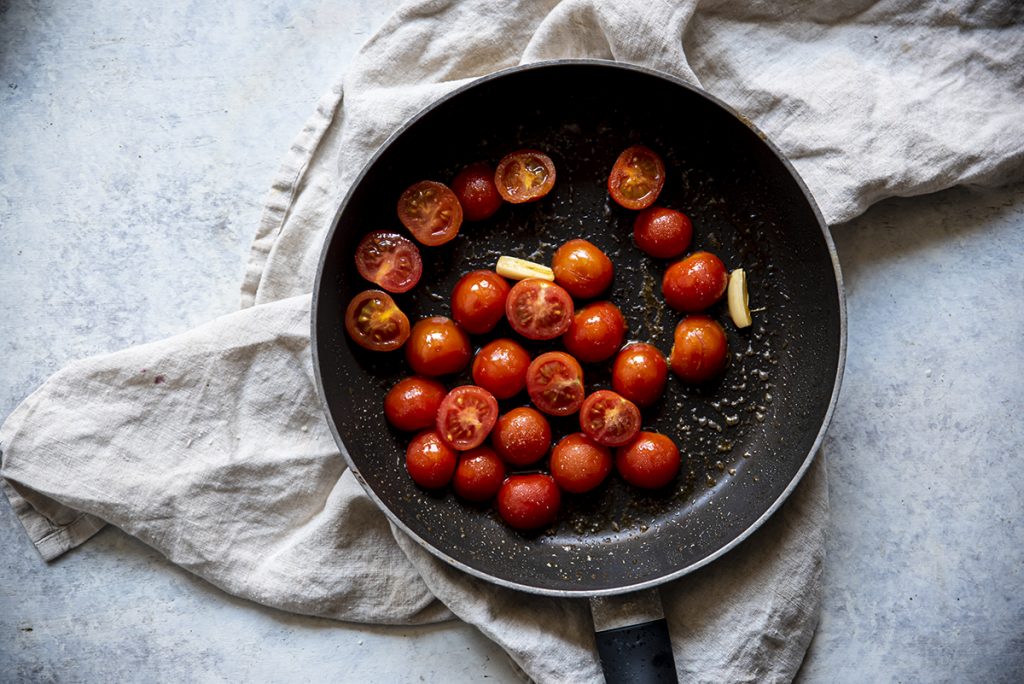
(429, 460)
(662, 233)
(375, 322)
(479, 475)
(582, 269)
(636, 178)
(475, 189)
(437, 346)
(700, 350)
(528, 502)
(478, 301)
(413, 402)
(466, 417)
(431, 212)
(580, 464)
(596, 332)
(522, 436)
(389, 260)
(554, 382)
(695, 283)
(500, 368)
(538, 309)
(524, 176)
(609, 418)
(639, 373)
(649, 461)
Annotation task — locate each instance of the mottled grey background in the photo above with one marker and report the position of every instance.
(136, 145)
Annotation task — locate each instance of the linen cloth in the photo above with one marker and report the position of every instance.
(210, 446)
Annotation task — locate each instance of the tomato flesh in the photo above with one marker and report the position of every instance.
(529, 502)
(609, 418)
(466, 416)
(375, 322)
(429, 461)
(538, 309)
(437, 346)
(579, 464)
(500, 368)
(651, 461)
(640, 373)
(701, 349)
(695, 283)
(524, 176)
(389, 260)
(475, 189)
(582, 269)
(596, 332)
(413, 402)
(554, 382)
(637, 177)
(431, 212)
(479, 475)
(522, 436)
(478, 301)
(662, 233)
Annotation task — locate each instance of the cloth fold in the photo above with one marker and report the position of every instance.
(210, 446)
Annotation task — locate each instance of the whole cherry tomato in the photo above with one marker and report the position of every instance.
(554, 382)
(650, 461)
(478, 301)
(479, 475)
(429, 460)
(700, 350)
(609, 418)
(695, 283)
(413, 402)
(662, 233)
(466, 416)
(524, 176)
(389, 260)
(522, 436)
(437, 346)
(582, 269)
(528, 502)
(637, 178)
(500, 368)
(475, 189)
(596, 332)
(538, 309)
(639, 373)
(431, 212)
(579, 464)
(375, 322)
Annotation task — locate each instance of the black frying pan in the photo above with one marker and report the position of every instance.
(747, 438)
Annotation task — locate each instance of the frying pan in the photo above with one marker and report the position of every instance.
(747, 438)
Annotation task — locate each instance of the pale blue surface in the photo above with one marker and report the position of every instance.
(136, 150)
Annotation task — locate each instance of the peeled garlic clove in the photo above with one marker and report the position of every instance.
(521, 269)
(739, 307)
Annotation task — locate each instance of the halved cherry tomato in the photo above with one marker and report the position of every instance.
(528, 502)
(639, 373)
(437, 346)
(389, 260)
(431, 212)
(700, 350)
(596, 332)
(580, 464)
(636, 178)
(474, 186)
(429, 460)
(662, 233)
(479, 475)
(413, 402)
(582, 269)
(650, 461)
(524, 176)
(538, 309)
(554, 382)
(695, 283)
(522, 436)
(500, 368)
(609, 418)
(466, 417)
(375, 322)
(478, 301)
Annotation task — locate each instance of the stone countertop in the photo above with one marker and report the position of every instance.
(137, 148)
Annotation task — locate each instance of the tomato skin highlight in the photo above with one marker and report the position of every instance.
(695, 283)
(479, 475)
(637, 178)
(554, 382)
(429, 461)
(596, 333)
(522, 436)
(500, 368)
(579, 464)
(651, 461)
(474, 187)
(478, 301)
(662, 233)
(582, 269)
(609, 419)
(538, 309)
(701, 349)
(437, 346)
(431, 212)
(390, 261)
(413, 402)
(466, 417)
(374, 321)
(529, 502)
(640, 373)
(524, 176)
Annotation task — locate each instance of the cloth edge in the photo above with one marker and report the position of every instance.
(50, 539)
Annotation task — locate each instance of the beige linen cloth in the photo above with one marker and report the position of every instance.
(211, 447)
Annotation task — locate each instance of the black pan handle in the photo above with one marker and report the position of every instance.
(632, 639)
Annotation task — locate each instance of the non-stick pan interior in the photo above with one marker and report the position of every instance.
(745, 438)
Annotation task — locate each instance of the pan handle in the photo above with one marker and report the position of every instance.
(632, 638)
